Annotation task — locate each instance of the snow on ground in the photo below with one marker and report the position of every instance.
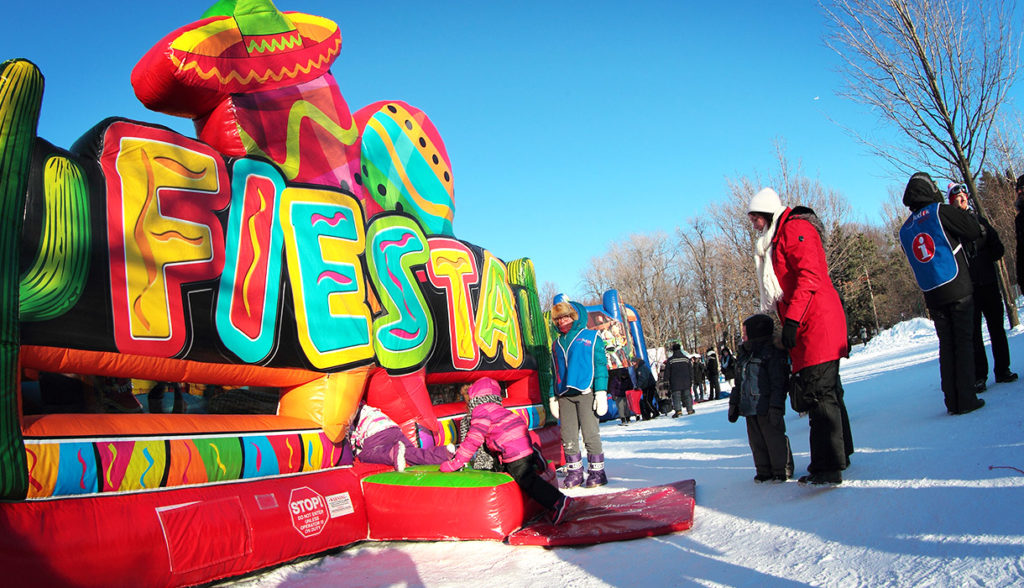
(929, 500)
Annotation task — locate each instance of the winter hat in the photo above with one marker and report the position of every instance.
(562, 306)
(759, 325)
(953, 189)
(921, 188)
(1020, 181)
(767, 201)
(485, 387)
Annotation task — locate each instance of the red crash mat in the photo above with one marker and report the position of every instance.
(600, 518)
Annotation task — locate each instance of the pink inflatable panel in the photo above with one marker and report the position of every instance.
(600, 518)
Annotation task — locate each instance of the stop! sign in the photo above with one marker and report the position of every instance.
(308, 510)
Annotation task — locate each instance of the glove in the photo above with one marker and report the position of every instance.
(601, 402)
(553, 407)
(789, 333)
(775, 415)
(448, 466)
(734, 413)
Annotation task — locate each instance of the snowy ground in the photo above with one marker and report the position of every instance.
(929, 500)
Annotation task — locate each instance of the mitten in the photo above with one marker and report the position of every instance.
(775, 416)
(789, 333)
(601, 402)
(734, 413)
(553, 406)
(448, 466)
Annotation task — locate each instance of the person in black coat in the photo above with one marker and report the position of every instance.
(762, 374)
(712, 368)
(680, 380)
(932, 238)
(982, 255)
(645, 381)
(728, 365)
(698, 378)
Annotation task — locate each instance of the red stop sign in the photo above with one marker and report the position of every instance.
(308, 510)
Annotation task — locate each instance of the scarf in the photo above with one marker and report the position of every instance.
(767, 282)
(482, 459)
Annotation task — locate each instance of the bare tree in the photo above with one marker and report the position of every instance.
(547, 293)
(644, 269)
(939, 70)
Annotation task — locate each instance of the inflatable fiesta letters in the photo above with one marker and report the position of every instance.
(260, 280)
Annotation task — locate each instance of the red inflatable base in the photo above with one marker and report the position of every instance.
(181, 536)
(424, 504)
(600, 518)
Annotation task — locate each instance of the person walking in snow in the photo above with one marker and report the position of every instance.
(375, 438)
(982, 255)
(581, 390)
(793, 280)
(506, 435)
(762, 375)
(932, 238)
(679, 373)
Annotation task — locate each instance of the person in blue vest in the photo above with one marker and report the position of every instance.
(932, 238)
(581, 391)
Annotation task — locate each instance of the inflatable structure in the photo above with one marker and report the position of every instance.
(622, 331)
(187, 325)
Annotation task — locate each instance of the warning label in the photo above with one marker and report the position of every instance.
(340, 504)
(308, 510)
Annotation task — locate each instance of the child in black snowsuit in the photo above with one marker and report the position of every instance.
(762, 376)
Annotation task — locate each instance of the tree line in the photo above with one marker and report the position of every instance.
(938, 73)
(697, 284)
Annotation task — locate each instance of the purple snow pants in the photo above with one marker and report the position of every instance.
(377, 449)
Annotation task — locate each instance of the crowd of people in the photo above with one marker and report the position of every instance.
(950, 247)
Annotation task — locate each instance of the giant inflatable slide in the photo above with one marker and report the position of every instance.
(187, 325)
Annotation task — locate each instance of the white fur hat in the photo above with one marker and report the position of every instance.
(766, 200)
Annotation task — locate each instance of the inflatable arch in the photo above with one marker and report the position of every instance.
(291, 260)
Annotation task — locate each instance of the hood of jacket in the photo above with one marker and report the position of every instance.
(577, 325)
(920, 192)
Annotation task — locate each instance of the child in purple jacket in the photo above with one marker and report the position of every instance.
(376, 438)
(505, 434)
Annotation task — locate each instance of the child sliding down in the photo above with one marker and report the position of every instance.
(377, 439)
(505, 434)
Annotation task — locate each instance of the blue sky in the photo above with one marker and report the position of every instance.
(569, 124)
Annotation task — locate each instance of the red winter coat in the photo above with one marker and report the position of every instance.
(808, 295)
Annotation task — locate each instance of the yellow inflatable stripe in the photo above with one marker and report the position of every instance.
(300, 110)
(438, 210)
(256, 251)
(252, 76)
(429, 150)
(224, 30)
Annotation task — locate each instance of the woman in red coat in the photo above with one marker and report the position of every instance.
(793, 280)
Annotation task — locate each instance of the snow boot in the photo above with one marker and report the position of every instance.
(595, 474)
(574, 471)
(561, 509)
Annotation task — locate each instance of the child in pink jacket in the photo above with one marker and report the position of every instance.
(505, 434)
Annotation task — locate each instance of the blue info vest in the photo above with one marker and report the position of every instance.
(931, 256)
(575, 369)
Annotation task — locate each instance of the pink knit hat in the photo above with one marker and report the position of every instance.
(484, 387)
